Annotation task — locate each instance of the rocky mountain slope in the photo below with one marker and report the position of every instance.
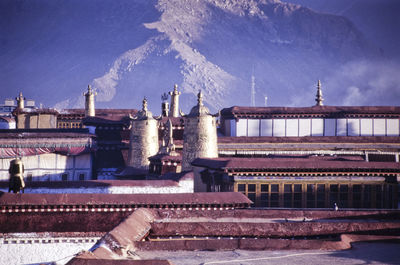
(220, 46)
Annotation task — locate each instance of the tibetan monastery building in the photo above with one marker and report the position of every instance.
(308, 157)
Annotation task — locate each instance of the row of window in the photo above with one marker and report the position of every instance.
(315, 195)
(69, 125)
(55, 177)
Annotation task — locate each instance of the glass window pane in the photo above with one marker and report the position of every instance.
(297, 187)
(252, 196)
(264, 196)
(344, 188)
(241, 187)
(274, 188)
(297, 196)
(251, 187)
(287, 197)
(264, 187)
(274, 197)
(288, 188)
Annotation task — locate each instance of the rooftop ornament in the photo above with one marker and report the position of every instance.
(144, 114)
(319, 97)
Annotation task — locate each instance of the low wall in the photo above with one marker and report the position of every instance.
(60, 222)
(258, 243)
(276, 230)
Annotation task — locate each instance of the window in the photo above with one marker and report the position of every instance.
(251, 188)
(242, 188)
(297, 196)
(310, 196)
(378, 193)
(251, 192)
(333, 194)
(274, 195)
(82, 176)
(287, 195)
(320, 195)
(367, 196)
(264, 196)
(357, 196)
(64, 177)
(391, 193)
(344, 196)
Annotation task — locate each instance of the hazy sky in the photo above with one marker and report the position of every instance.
(52, 49)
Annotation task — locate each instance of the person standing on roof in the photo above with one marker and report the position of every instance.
(16, 171)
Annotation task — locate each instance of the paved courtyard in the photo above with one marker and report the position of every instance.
(361, 253)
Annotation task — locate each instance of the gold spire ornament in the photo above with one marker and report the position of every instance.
(319, 97)
(20, 101)
(174, 111)
(89, 102)
(144, 104)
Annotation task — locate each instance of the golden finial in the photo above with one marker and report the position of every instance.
(200, 98)
(144, 108)
(170, 131)
(20, 101)
(319, 97)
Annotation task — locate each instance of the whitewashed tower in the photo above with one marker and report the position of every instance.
(143, 139)
(200, 135)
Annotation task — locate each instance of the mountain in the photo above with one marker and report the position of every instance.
(130, 49)
(378, 20)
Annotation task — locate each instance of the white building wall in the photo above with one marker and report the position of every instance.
(330, 127)
(314, 127)
(241, 127)
(392, 128)
(292, 127)
(184, 186)
(366, 127)
(279, 127)
(40, 251)
(379, 127)
(233, 127)
(253, 127)
(317, 127)
(341, 127)
(353, 127)
(266, 127)
(304, 127)
(51, 167)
